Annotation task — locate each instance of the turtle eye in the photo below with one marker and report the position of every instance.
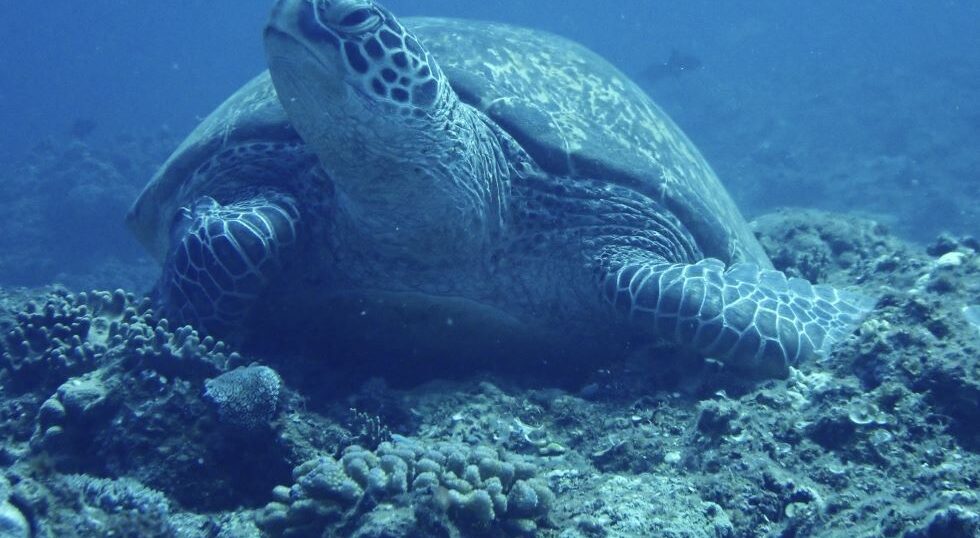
(356, 17)
(359, 21)
(341, 16)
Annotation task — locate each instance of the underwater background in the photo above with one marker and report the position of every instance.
(867, 107)
(848, 132)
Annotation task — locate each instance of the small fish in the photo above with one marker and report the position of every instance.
(677, 64)
(81, 128)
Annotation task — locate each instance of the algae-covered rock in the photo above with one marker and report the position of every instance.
(827, 247)
(111, 507)
(648, 505)
(952, 522)
(245, 398)
(13, 524)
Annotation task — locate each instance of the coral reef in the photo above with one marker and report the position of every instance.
(64, 208)
(120, 507)
(116, 423)
(836, 249)
(13, 524)
(47, 341)
(442, 489)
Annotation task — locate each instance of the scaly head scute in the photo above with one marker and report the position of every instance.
(360, 41)
(360, 90)
(383, 60)
(405, 153)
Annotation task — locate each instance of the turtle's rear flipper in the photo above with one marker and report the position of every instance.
(222, 257)
(756, 320)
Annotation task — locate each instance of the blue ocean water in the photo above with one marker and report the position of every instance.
(829, 88)
(133, 64)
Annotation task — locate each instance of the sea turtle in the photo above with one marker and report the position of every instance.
(469, 174)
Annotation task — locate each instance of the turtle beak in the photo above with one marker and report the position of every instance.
(297, 20)
(304, 58)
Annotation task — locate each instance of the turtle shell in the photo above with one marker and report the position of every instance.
(574, 112)
(251, 117)
(579, 116)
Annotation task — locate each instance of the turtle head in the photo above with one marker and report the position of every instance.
(364, 44)
(361, 43)
(348, 70)
(364, 93)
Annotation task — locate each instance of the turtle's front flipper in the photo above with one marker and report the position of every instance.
(757, 320)
(221, 258)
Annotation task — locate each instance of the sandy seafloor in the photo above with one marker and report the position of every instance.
(113, 423)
